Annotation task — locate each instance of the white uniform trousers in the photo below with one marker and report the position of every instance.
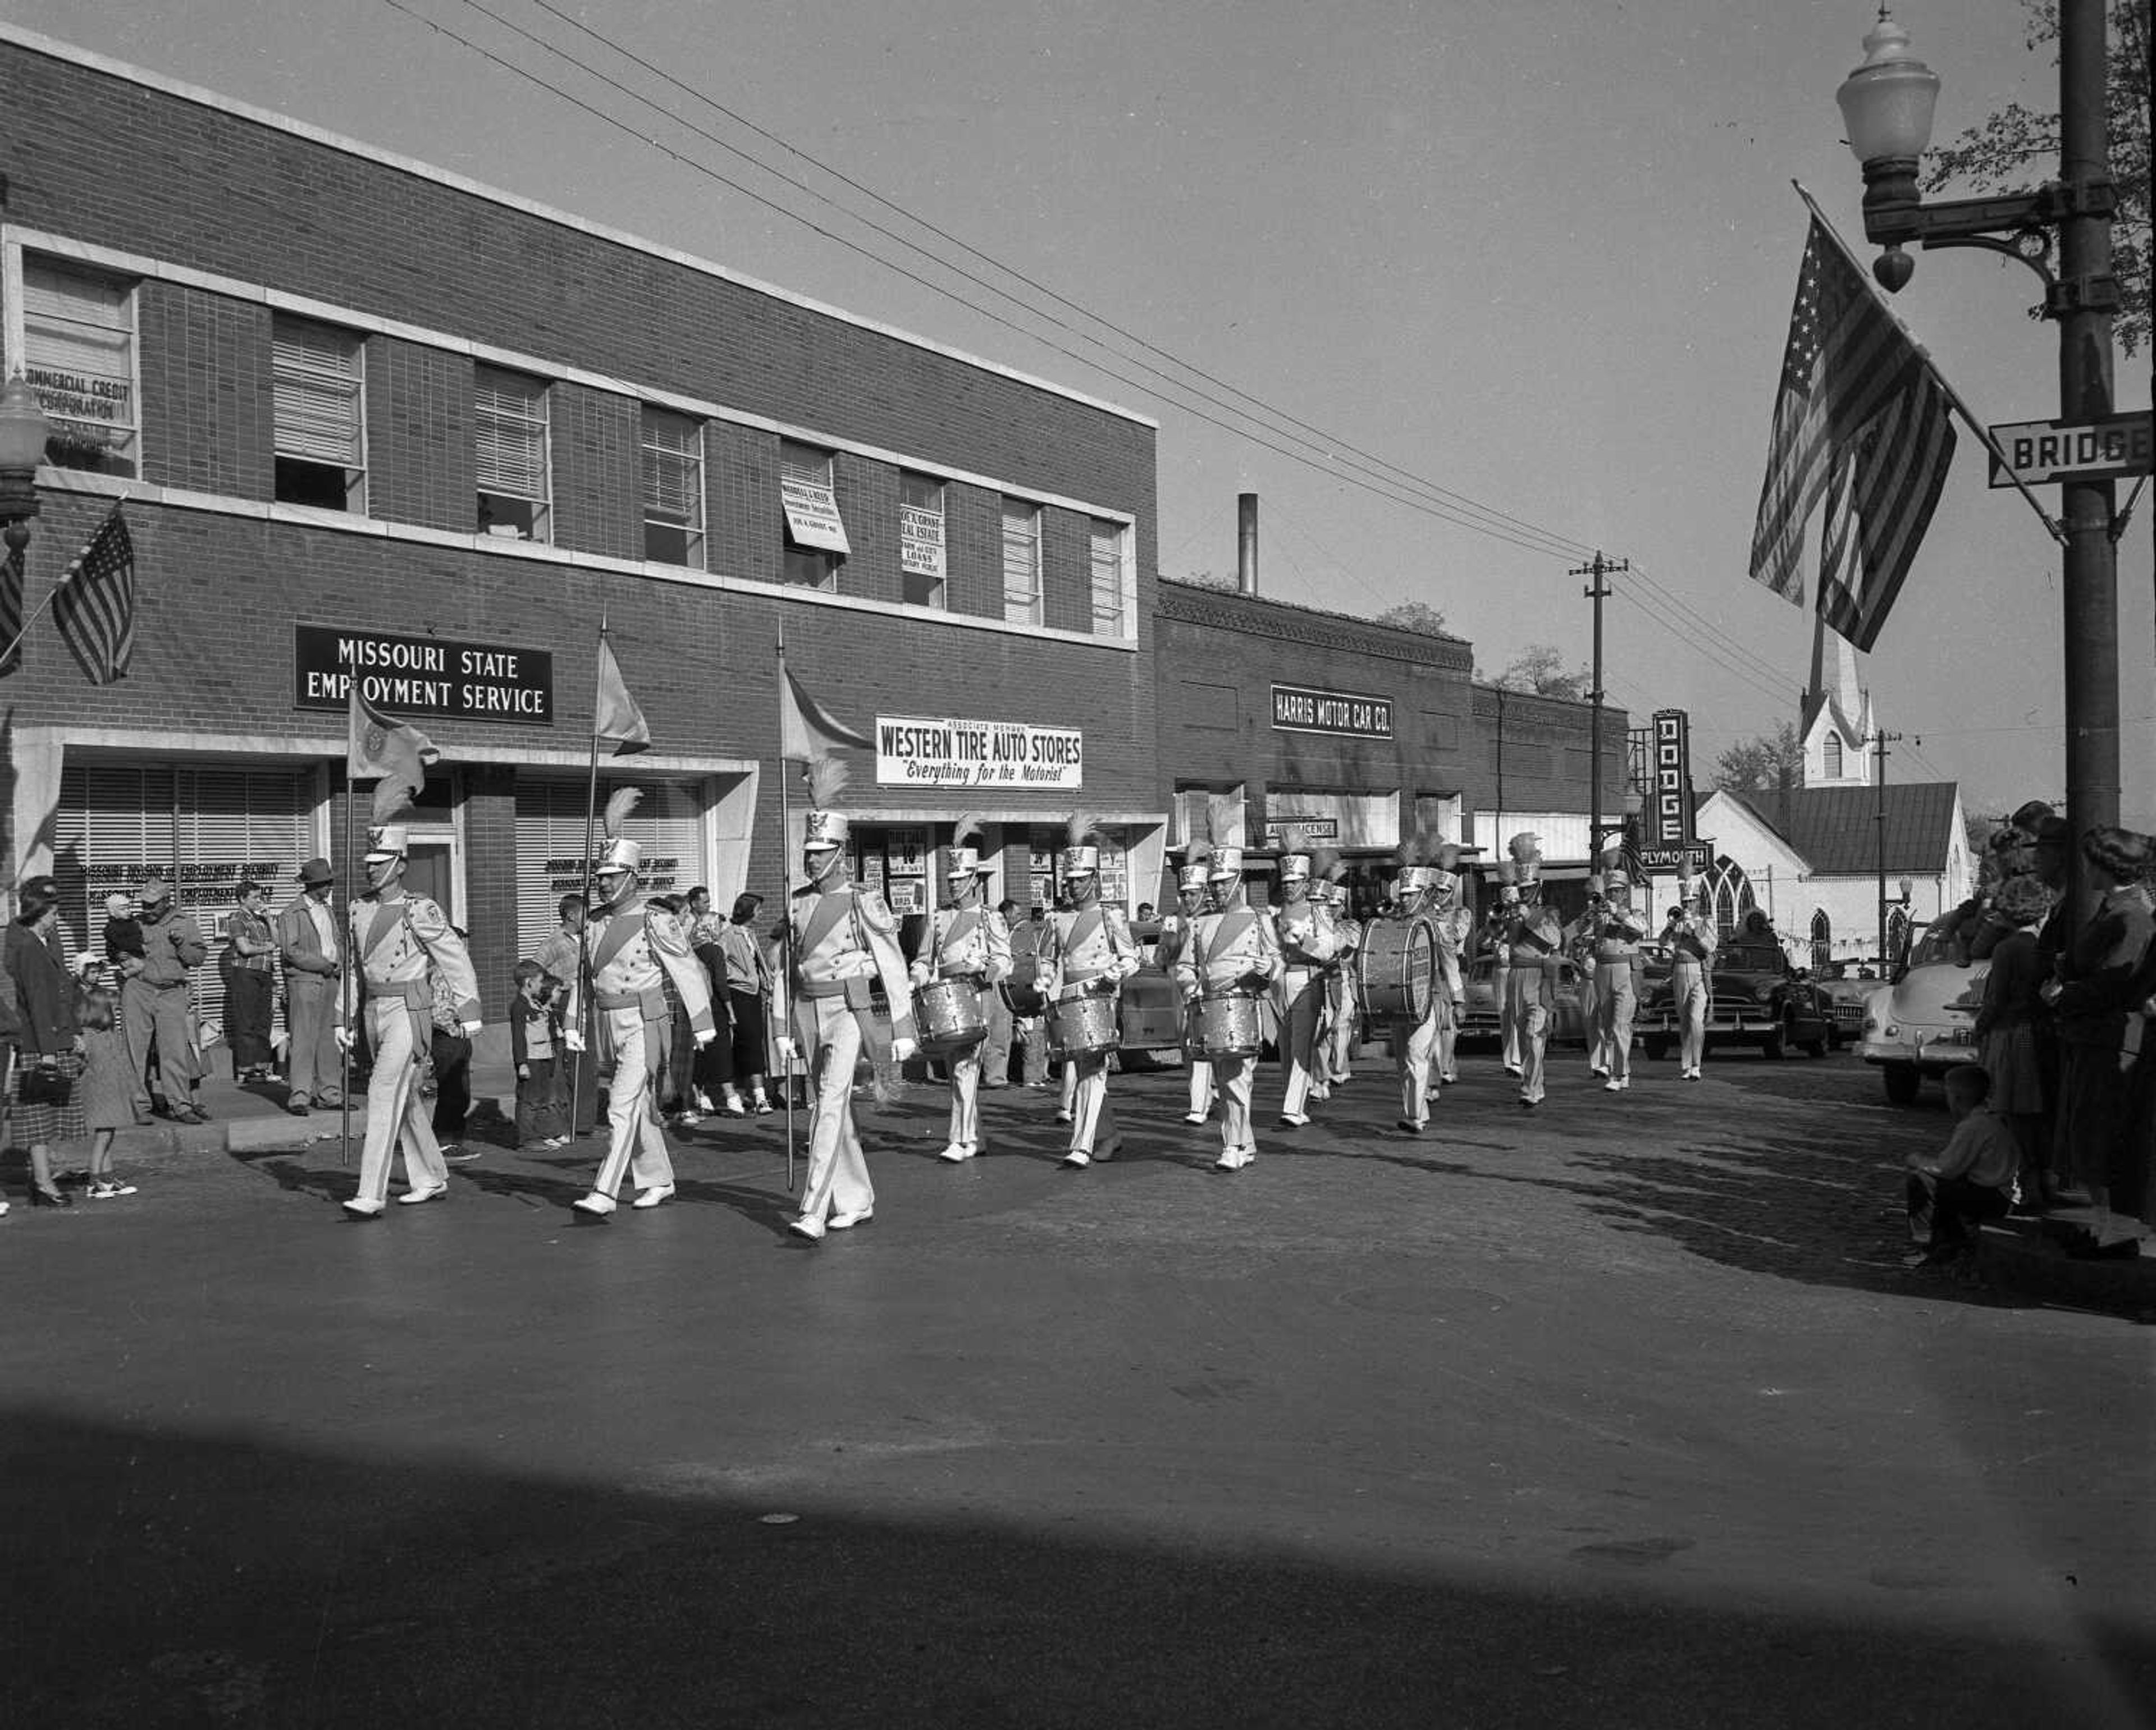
(1298, 1003)
(1528, 1019)
(1688, 991)
(1092, 1115)
(1201, 1086)
(1590, 1018)
(837, 1178)
(1340, 1056)
(1508, 1035)
(1414, 1046)
(1448, 1038)
(394, 1110)
(966, 1071)
(636, 1146)
(1236, 1078)
(1615, 1002)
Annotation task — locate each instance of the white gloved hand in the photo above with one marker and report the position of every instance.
(345, 1039)
(783, 1049)
(572, 1039)
(705, 1039)
(900, 1049)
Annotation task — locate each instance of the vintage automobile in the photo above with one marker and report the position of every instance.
(1847, 987)
(1151, 1007)
(1924, 1024)
(1479, 1019)
(1757, 999)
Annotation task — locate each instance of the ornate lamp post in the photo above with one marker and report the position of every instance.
(23, 431)
(1887, 104)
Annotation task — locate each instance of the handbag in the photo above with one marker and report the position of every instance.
(41, 1085)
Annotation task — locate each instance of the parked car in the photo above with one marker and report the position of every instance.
(1151, 1007)
(1481, 1019)
(1847, 987)
(1924, 1024)
(1756, 998)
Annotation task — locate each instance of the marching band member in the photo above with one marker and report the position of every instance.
(840, 936)
(1306, 946)
(1535, 936)
(1089, 953)
(1454, 955)
(1176, 931)
(1231, 951)
(1580, 937)
(1621, 929)
(1692, 938)
(1500, 970)
(629, 949)
(1337, 1042)
(1414, 1044)
(968, 944)
(395, 936)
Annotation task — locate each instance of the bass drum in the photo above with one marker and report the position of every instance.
(1396, 968)
(948, 1017)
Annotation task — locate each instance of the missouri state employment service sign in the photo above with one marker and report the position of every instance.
(913, 751)
(415, 676)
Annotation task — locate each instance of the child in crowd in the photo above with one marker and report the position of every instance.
(1969, 1181)
(536, 1047)
(123, 936)
(108, 1090)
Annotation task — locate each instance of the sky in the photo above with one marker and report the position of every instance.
(1531, 259)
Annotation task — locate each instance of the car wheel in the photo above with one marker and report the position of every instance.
(1657, 1047)
(1816, 1048)
(1903, 1080)
(1773, 1045)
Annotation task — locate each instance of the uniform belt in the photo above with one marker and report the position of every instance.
(650, 1000)
(161, 985)
(820, 988)
(414, 991)
(1610, 952)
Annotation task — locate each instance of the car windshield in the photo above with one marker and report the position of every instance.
(1934, 946)
(1753, 957)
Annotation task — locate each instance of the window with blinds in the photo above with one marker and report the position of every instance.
(208, 828)
(316, 393)
(672, 446)
(920, 538)
(1111, 608)
(1022, 596)
(815, 537)
(509, 431)
(668, 824)
(79, 356)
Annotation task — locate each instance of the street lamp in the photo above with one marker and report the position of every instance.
(1887, 104)
(23, 431)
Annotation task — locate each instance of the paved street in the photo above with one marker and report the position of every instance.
(1622, 1413)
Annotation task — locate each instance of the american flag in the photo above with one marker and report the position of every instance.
(10, 612)
(95, 606)
(1860, 420)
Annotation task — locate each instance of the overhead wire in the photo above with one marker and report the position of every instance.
(1441, 503)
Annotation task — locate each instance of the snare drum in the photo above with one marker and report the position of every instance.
(1397, 969)
(948, 1017)
(1083, 1026)
(1228, 1025)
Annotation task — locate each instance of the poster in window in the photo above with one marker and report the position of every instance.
(812, 514)
(908, 849)
(920, 541)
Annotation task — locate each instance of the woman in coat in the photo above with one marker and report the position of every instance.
(51, 1040)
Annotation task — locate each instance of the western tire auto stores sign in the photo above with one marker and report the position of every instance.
(913, 751)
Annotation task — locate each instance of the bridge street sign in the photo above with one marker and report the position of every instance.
(2040, 452)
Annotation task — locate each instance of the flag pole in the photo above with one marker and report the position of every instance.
(786, 898)
(16, 557)
(344, 979)
(585, 1023)
(2051, 525)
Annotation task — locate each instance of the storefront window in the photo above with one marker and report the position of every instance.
(667, 823)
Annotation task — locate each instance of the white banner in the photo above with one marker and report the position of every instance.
(912, 752)
(920, 541)
(812, 514)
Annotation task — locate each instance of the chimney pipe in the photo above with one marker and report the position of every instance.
(1246, 543)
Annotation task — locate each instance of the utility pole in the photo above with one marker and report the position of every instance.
(1599, 569)
(1879, 741)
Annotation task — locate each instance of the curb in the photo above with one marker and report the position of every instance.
(2034, 1262)
(159, 1141)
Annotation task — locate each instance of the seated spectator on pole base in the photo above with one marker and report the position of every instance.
(1970, 1180)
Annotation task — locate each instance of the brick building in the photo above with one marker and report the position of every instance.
(1273, 714)
(365, 413)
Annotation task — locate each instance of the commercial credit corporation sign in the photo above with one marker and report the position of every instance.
(915, 751)
(415, 676)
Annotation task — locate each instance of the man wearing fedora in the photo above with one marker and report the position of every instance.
(627, 943)
(153, 1000)
(314, 978)
(395, 940)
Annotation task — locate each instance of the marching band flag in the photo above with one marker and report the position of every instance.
(616, 719)
(1861, 419)
(94, 605)
(377, 747)
(806, 729)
